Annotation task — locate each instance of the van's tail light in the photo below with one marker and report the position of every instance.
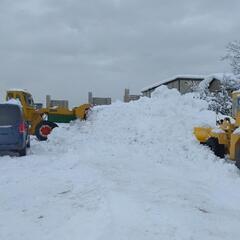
(22, 128)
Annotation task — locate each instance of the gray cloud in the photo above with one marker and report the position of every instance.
(67, 48)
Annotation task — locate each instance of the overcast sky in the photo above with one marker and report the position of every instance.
(67, 48)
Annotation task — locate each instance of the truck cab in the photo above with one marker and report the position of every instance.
(25, 99)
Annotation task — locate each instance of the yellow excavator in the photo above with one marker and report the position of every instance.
(225, 137)
(40, 125)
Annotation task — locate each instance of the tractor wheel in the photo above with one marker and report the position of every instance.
(86, 112)
(43, 129)
(28, 142)
(237, 157)
(218, 149)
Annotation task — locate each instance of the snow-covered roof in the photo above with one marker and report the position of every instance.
(186, 76)
(17, 90)
(227, 79)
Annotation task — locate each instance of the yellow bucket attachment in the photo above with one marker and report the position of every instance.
(202, 133)
(81, 111)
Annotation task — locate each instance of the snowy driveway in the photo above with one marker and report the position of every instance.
(132, 171)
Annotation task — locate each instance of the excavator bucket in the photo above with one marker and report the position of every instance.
(82, 111)
(202, 133)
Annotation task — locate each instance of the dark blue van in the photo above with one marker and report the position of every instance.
(14, 134)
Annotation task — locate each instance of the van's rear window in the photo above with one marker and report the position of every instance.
(9, 115)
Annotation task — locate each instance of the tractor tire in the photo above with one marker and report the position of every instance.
(218, 149)
(28, 142)
(43, 129)
(237, 157)
(23, 152)
(86, 112)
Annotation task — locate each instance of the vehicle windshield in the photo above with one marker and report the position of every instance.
(29, 100)
(9, 115)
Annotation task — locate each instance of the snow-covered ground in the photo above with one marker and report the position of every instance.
(132, 171)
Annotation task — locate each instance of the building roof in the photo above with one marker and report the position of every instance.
(227, 79)
(158, 84)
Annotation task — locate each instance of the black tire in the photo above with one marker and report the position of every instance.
(49, 126)
(237, 157)
(52, 124)
(28, 142)
(23, 152)
(218, 149)
(87, 110)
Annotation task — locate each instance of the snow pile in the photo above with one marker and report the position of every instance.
(132, 171)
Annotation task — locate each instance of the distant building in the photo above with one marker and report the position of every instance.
(56, 103)
(98, 100)
(183, 83)
(129, 97)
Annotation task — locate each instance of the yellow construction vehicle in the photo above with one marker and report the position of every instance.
(40, 125)
(225, 138)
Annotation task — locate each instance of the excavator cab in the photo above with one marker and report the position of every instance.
(29, 100)
(27, 103)
(24, 97)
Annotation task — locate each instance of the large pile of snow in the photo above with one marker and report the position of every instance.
(132, 171)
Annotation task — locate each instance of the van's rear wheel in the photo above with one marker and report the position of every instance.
(218, 149)
(28, 142)
(43, 129)
(237, 156)
(23, 152)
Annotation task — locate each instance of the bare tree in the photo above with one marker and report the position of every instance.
(233, 55)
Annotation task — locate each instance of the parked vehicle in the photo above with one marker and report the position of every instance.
(14, 130)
